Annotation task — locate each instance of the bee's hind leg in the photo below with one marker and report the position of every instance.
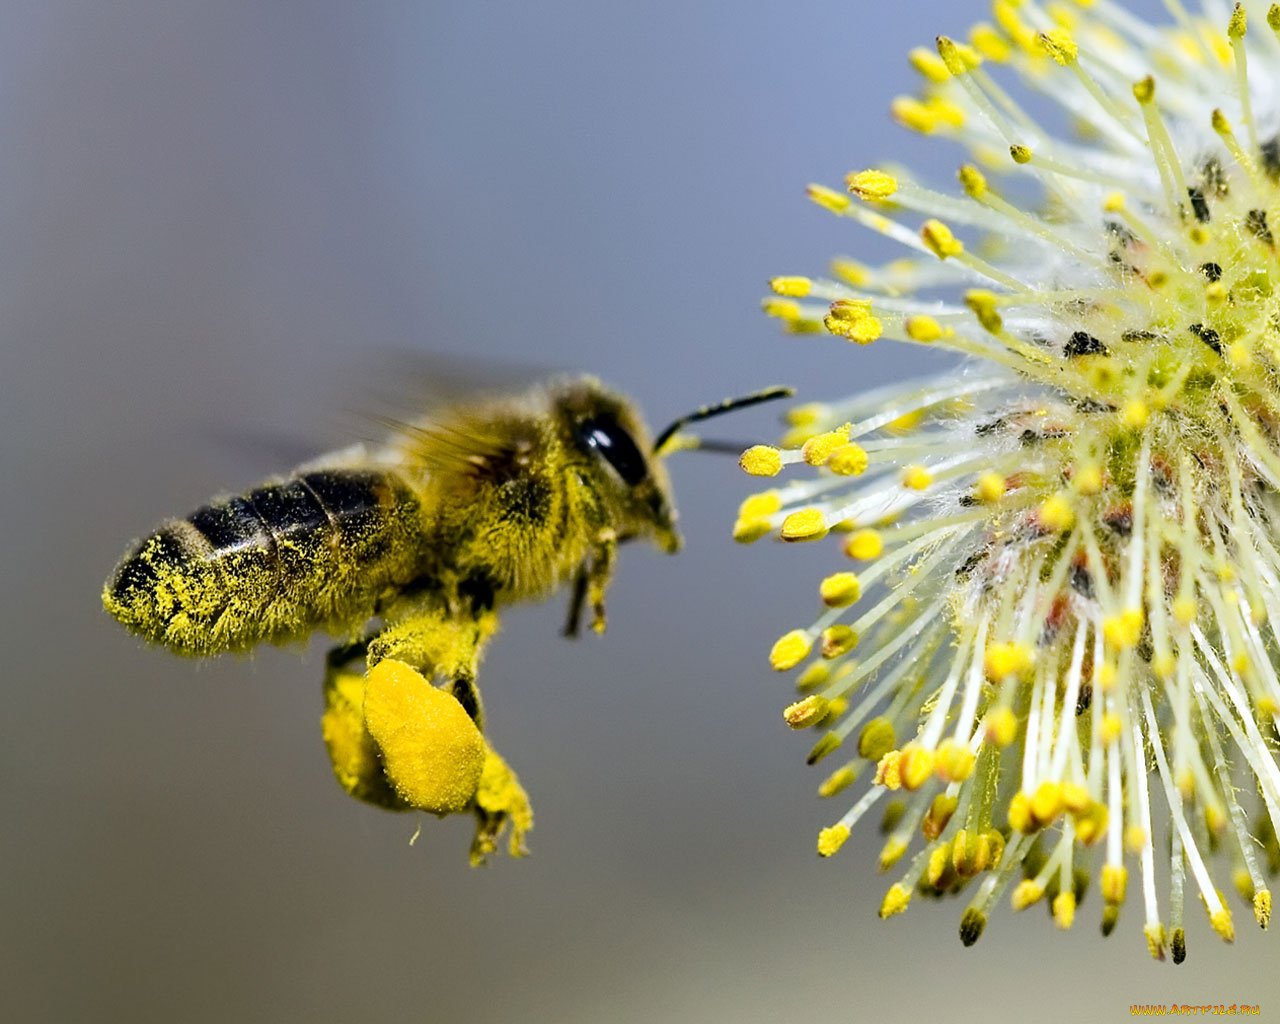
(441, 647)
(603, 557)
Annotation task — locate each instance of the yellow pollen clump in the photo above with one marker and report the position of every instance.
(766, 503)
(831, 839)
(1056, 514)
(818, 449)
(794, 287)
(807, 524)
(432, 752)
(924, 329)
(941, 242)
(1088, 478)
(1113, 882)
(1110, 729)
(1059, 45)
(954, 761)
(1114, 202)
(862, 330)
(988, 42)
(848, 460)
(1135, 413)
(928, 64)
(983, 303)
(1145, 91)
(1026, 893)
(761, 460)
(916, 477)
(1262, 907)
(1047, 802)
(1091, 823)
(1184, 610)
(1020, 817)
(790, 649)
(872, 184)
(840, 589)
(1123, 630)
(1020, 154)
(1135, 838)
(911, 113)
(889, 770)
(1075, 797)
(973, 181)
(864, 545)
(807, 712)
(806, 415)
(895, 900)
(1064, 909)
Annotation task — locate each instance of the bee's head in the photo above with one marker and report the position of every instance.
(625, 473)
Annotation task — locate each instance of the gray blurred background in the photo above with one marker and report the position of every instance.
(215, 218)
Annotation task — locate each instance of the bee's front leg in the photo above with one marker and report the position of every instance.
(600, 573)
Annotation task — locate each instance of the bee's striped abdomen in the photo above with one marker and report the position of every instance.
(272, 565)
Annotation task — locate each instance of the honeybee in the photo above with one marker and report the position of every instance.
(408, 551)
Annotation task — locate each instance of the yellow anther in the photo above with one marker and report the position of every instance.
(818, 449)
(828, 198)
(1262, 907)
(916, 478)
(851, 309)
(1075, 797)
(1047, 802)
(1091, 823)
(1056, 514)
(973, 181)
(972, 924)
(988, 42)
(954, 761)
(923, 328)
(1114, 202)
(790, 649)
(990, 488)
(1221, 921)
(795, 287)
(1106, 676)
(1064, 909)
(848, 460)
(837, 640)
(850, 271)
(889, 771)
(1110, 729)
(766, 503)
(807, 524)
(876, 739)
(941, 242)
(838, 781)
(840, 589)
(895, 900)
(958, 57)
(939, 872)
(906, 423)
(936, 818)
(1001, 727)
(807, 712)
(1154, 933)
(892, 852)
(911, 113)
(1026, 893)
(1005, 659)
(916, 766)
(783, 309)
(863, 330)
(1145, 91)
(813, 676)
(1135, 838)
(747, 531)
(1020, 817)
(1088, 478)
(1059, 45)
(823, 747)
(1273, 17)
(761, 460)
(983, 303)
(807, 415)
(864, 545)
(928, 64)
(871, 184)
(831, 839)
(1135, 413)
(1238, 24)
(1124, 630)
(1115, 877)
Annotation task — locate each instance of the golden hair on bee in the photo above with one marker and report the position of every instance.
(406, 551)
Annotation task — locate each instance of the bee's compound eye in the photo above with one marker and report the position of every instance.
(608, 437)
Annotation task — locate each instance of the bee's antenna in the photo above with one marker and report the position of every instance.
(707, 411)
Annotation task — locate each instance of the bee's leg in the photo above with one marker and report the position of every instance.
(440, 646)
(576, 600)
(598, 576)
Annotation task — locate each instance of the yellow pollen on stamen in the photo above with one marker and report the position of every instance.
(924, 329)
(864, 545)
(793, 287)
(807, 524)
(837, 640)
(888, 771)
(1005, 659)
(828, 198)
(1059, 45)
(838, 781)
(1001, 727)
(807, 712)
(916, 478)
(941, 242)
(790, 649)
(761, 460)
(871, 184)
(848, 460)
(1056, 514)
(876, 739)
(928, 64)
(818, 449)
(831, 839)
(1124, 630)
(895, 900)
(840, 589)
